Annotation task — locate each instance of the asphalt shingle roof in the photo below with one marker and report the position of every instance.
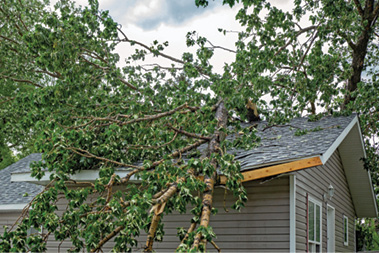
(278, 144)
(12, 193)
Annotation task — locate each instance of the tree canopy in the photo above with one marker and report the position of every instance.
(64, 93)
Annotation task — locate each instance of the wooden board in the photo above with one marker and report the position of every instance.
(278, 169)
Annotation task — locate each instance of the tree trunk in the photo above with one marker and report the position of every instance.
(214, 147)
(360, 51)
(158, 210)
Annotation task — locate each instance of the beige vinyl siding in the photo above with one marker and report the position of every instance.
(8, 218)
(55, 246)
(263, 225)
(315, 181)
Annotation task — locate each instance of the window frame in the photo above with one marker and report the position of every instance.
(311, 241)
(345, 226)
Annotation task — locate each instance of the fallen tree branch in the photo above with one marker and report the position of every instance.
(156, 163)
(87, 154)
(156, 116)
(158, 210)
(213, 147)
(192, 135)
(107, 238)
(215, 246)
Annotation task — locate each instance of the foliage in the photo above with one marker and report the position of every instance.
(63, 90)
(367, 235)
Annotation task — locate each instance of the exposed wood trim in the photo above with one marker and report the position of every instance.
(281, 168)
(276, 169)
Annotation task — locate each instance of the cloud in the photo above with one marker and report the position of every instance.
(150, 14)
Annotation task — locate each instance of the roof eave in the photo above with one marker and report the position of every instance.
(80, 177)
(351, 151)
(12, 207)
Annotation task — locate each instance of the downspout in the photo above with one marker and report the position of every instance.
(307, 244)
(292, 197)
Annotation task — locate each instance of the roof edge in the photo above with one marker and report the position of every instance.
(351, 150)
(12, 207)
(82, 176)
(329, 152)
(281, 168)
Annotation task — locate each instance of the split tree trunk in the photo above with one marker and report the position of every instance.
(213, 147)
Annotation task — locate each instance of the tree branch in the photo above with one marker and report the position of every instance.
(107, 238)
(376, 11)
(153, 147)
(158, 210)
(87, 154)
(126, 39)
(21, 81)
(219, 47)
(9, 39)
(298, 33)
(349, 42)
(157, 116)
(156, 163)
(308, 48)
(192, 135)
(213, 147)
(9, 99)
(359, 8)
(107, 69)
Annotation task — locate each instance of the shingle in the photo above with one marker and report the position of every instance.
(278, 143)
(13, 192)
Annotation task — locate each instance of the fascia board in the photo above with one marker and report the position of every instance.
(329, 152)
(82, 176)
(12, 207)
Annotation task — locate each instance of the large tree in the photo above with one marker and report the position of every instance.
(62, 89)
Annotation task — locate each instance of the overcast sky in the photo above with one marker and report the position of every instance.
(170, 20)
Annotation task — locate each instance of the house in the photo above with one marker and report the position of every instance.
(305, 181)
(14, 196)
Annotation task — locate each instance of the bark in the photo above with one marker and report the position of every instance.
(207, 208)
(213, 147)
(161, 199)
(158, 210)
(107, 238)
(360, 50)
(165, 195)
(190, 230)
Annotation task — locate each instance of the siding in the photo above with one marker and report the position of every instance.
(315, 181)
(263, 225)
(8, 218)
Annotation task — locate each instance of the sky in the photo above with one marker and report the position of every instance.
(170, 20)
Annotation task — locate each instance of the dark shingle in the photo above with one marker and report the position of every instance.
(12, 193)
(277, 145)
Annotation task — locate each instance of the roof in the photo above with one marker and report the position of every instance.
(12, 193)
(282, 146)
(279, 143)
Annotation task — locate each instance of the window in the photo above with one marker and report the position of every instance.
(345, 230)
(314, 225)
